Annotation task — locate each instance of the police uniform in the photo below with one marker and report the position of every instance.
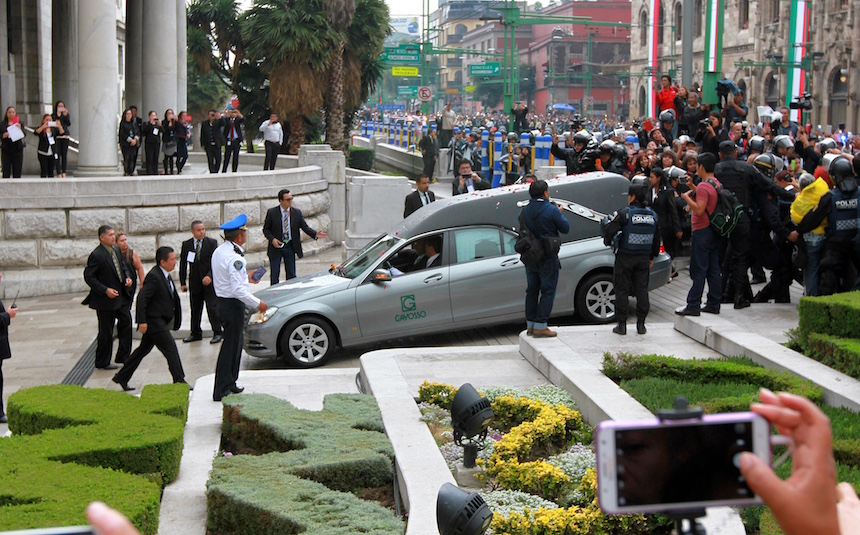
(230, 279)
(638, 244)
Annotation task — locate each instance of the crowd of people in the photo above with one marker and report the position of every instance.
(797, 185)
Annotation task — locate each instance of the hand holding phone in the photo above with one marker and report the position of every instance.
(258, 274)
(649, 466)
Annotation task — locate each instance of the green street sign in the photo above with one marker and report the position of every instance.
(399, 57)
(413, 48)
(407, 91)
(490, 68)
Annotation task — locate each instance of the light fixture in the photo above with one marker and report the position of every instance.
(471, 414)
(843, 75)
(460, 512)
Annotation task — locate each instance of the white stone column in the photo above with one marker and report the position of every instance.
(98, 78)
(133, 54)
(181, 57)
(159, 58)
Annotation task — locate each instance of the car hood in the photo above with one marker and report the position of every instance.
(302, 288)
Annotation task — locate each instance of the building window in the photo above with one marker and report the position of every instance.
(744, 14)
(679, 22)
(771, 97)
(774, 9)
(642, 110)
(643, 29)
(838, 97)
(661, 21)
(121, 61)
(697, 22)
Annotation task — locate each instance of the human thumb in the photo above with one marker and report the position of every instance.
(760, 477)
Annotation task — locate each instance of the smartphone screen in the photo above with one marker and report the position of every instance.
(258, 273)
(652, 466)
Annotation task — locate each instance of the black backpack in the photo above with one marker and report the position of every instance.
(529, 246)
(727, 213)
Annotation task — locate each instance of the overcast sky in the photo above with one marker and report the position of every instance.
(397, 8)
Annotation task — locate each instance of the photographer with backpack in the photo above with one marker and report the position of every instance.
(705, 244)
(543, 221)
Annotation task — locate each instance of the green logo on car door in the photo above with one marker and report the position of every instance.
(408, 306)
(407, 303)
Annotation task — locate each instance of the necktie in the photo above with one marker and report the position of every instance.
(287, 226)
(116, 265)
(426, 199)
(232, 130)
(196, 246)
(170, 285)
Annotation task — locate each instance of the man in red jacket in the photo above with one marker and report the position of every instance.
(666, 100)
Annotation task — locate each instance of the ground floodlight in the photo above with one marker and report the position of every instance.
(471, 414)
(460, 512)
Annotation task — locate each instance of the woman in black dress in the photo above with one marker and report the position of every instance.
(61, 149)
(11, 150)
(129, 141)
(168, 141)
(151, 134)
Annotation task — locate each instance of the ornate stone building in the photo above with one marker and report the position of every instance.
(756, 53)
(98, 56)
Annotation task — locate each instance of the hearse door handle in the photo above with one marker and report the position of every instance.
(433, 278)
(511, 262)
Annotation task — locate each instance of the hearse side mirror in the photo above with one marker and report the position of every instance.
(380, 275)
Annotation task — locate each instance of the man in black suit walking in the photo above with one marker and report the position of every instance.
(195, 266)
(110, 282)
(158, 311)
(421, 197)
(233, 137)
(212, 138)
(281, 229)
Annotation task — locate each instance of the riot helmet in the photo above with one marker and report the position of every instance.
(768, 164)
(756, 144)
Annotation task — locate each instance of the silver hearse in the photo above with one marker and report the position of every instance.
(387, 291)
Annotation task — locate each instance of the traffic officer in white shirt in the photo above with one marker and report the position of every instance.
(231, 282)
(273, 135)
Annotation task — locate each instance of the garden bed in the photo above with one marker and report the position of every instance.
(829, 331)
(539, 463)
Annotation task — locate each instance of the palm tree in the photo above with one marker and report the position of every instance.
(365, 38)
(292, 41)
(214, 26)
(340, 14)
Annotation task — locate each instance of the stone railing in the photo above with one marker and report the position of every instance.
(48, 227)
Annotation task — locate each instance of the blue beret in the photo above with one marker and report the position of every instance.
(237, 223)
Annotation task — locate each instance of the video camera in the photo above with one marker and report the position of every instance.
(724, 88)
(802, 102)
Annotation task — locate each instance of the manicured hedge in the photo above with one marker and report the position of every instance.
(829, 331)
(360, 158)
(73, 445)
(304, 466)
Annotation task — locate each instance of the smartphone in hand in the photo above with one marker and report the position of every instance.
(258, 274)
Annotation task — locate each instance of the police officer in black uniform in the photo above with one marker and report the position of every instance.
(579, 159)
(638, 244)
(840, 207)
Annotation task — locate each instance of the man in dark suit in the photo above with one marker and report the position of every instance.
(5, 351)
(429, 147)
(212, 138)
(195, 267)
(110, 282)
(233, 137)
(421, 197)
(158, 311)
(467, 181)
(281, 229)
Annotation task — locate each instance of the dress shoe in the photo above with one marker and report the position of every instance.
(108, 367)
(741, 303)
(184, 383)
(220, 397)
(544, 333)
(123, 384)
(711, 309)
(686, 311)
(217, 338)
(4, 419)
(620, 327)
(192, 339)
(530, 332)
(640, 326)
(237, 389)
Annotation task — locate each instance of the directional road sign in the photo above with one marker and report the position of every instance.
(398, 56)
(407, 91)
(424, 93)
(390, 107)
(404, 71)
(490, 68)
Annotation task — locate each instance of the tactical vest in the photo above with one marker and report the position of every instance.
(637, 235)
(842, 220)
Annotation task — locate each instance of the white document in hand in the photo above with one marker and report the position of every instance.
(15, 132)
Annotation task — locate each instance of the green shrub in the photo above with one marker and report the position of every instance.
(657, 393)
(360, 158)
(437, 394)
(837, 315)
(841, 354)
(75, 445)
(626, 366)
(339, 449)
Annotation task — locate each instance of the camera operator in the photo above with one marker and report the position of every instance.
(692, 113)
(739, 136)
(579, 159)
(712, 133)
(735, 109)
(467, 181)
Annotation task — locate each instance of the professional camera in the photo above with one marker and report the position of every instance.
(724, 88)
(636, 125)
(706, 122)
(802, 102)
(576, 123)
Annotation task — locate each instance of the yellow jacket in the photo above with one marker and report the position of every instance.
(807, 201)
